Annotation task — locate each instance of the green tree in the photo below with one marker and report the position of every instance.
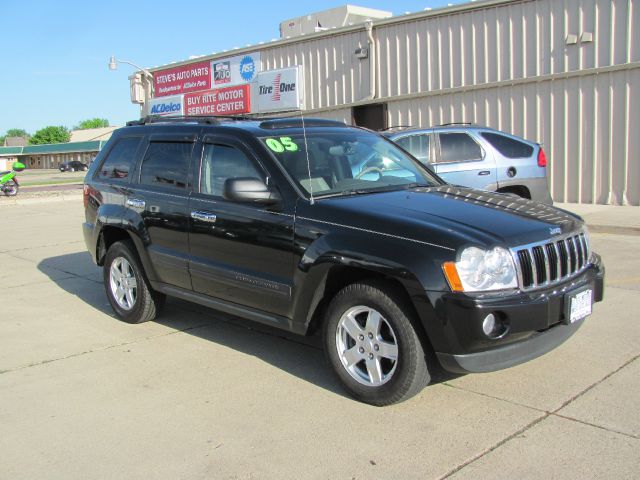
(16, 132)
(51, 134)
(13, 132)
(92, 123)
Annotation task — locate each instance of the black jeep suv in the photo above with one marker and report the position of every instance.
(311, 225)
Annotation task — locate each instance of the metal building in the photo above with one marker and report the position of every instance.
(565, 73)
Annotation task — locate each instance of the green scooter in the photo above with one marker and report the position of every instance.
(8, 181)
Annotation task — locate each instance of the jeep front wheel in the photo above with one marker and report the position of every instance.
(372, 345)
(128, 289)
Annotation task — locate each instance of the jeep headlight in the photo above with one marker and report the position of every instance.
(480, 270)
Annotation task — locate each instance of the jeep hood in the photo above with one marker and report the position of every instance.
(450, 214)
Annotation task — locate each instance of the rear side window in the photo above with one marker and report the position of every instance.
(221, 162)
(507, 146)
(120, 159)
(458, 147)
(166, 164)
(416, 145)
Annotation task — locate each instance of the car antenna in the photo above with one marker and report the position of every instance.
(306, 152)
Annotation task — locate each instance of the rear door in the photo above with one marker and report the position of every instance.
(160, 198)
(460, 160)
(240, 252)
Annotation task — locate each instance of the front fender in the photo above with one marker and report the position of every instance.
(415, 266)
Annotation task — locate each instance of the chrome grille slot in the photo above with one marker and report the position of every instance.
(538, 258)
(552, 255)
(578, 244)
(551, 262)
(564, 256)
(525, 267)
(572, 255)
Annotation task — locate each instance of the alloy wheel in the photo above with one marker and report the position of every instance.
(123, 283)
(367, 346)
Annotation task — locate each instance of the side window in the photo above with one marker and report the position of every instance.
(507, 146)
(458, 147)
(221, 162)
(166, 164)
(416, 145)
(120, 160)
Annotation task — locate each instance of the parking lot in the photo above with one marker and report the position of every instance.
(198, 394)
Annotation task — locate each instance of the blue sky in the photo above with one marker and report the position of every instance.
(55, 53)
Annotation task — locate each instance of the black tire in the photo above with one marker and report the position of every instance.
(409, 373)
(148, 303)
(10, 189)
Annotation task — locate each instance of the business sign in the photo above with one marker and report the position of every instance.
(235, 70)
(219, 101)
(280, 90)
(182, 79)
(173, 105)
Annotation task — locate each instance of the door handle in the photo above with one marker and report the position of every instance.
(204, 216)
(135, 203)
(484, 172)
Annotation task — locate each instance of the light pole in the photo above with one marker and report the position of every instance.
(147, 84)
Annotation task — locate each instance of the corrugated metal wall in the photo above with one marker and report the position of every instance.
(509, 65)
(333, 75)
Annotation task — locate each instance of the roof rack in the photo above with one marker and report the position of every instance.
(297, 122)
(184, 118)
(394, 127)
(454, 123)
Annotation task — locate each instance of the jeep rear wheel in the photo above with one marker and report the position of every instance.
(372, 345)
(127, 287)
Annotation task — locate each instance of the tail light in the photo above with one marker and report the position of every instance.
(542, 158)
(85, 195)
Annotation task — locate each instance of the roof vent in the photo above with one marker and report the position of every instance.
(327, 19)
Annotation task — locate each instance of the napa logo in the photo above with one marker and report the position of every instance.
(166, 108)
(247, 68)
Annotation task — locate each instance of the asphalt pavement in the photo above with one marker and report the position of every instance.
(198, 394)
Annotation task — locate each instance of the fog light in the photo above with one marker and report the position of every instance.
(493, 326)
(489, 324)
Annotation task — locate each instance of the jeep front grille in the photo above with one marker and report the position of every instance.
(546, 263)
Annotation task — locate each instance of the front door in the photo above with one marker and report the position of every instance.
(240, 252)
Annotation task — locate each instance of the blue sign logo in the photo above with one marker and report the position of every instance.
(247, 68)
(165, 108)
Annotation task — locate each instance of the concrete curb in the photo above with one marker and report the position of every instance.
(613, 229)
(47, 197)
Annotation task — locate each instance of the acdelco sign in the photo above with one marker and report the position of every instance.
(280, 90)
(173, 105)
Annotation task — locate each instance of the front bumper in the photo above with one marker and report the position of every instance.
(536, 321)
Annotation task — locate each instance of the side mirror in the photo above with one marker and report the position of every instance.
(251, 190)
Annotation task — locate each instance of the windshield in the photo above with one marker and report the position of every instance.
(346, 162)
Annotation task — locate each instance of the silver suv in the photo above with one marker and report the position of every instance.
(479, 157)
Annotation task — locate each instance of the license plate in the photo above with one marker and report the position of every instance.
(580, 304)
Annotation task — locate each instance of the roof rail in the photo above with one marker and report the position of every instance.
(214, 120)
(454, 123)
(395, 126)
(297, 122)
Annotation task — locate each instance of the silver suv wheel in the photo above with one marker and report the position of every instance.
(123, 283)
(367, 346)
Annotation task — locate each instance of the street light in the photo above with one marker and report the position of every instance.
(139, 88)
(113, 65)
